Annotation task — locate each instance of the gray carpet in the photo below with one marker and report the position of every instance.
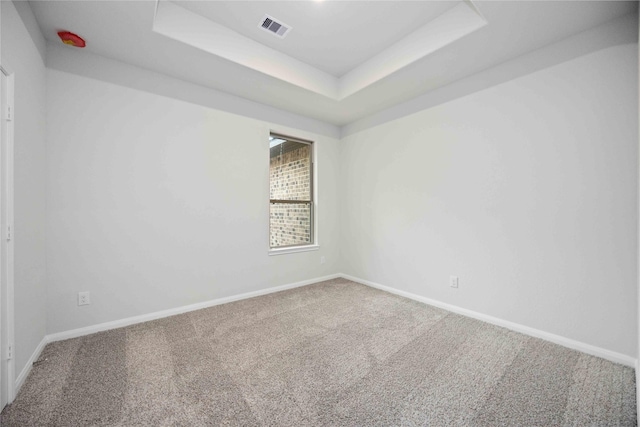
(331, 354)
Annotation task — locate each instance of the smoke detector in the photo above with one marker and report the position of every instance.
(274, 26)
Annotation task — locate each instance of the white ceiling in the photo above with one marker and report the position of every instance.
(123, 30)
(332, 36)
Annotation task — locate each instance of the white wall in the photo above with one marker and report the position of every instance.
(528, 191)
(21, 56)
(155, 203)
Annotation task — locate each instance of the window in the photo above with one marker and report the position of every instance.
(290, 192)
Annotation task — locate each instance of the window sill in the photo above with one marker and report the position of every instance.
(293, 249)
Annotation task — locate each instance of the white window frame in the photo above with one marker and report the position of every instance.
(314, 246)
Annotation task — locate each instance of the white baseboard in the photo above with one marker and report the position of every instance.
(74, 333)
(556, 339)
(27, 368)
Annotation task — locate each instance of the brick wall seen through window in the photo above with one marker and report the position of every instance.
(290, 179)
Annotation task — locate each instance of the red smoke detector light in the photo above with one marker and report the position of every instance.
(71, 39)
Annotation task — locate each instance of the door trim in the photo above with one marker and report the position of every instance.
(6, 241)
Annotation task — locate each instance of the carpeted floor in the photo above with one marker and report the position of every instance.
(331, 354)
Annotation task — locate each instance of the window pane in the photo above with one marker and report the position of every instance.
(290, 224)
(290, 171)
(290, 192)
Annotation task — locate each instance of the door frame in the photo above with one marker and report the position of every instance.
(7, 346)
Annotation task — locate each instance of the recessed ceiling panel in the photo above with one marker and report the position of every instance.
(333, 36)
(194, 29)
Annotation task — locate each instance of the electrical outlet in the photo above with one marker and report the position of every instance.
(453, 281)
(84, 298)
(322, 260)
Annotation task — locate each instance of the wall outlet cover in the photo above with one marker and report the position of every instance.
(84, 298)
(453, 281)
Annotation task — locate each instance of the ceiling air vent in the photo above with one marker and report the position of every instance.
(272, 25)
